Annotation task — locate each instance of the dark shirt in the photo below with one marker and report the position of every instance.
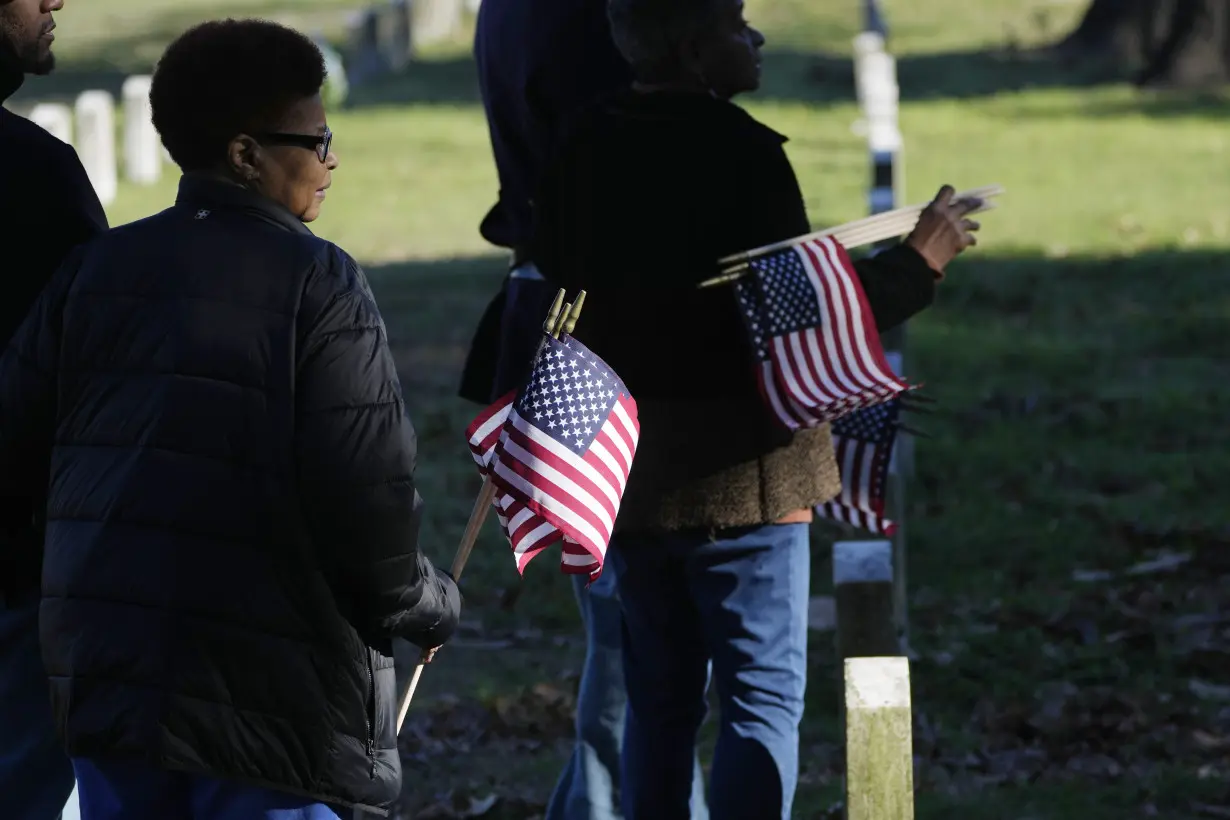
(538, 61)
(47, 207)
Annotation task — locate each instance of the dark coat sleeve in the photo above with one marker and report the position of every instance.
(85, 218)
(898, 282)
(27, 423)
(355, 451)
(51, 209)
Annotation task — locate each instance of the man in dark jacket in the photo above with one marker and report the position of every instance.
(539, 61)
(205, 406)
(47, 206)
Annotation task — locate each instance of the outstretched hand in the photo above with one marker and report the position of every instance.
(943, 230)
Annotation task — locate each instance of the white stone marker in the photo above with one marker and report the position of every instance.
(55, 119)
(95, 112)
(879, 740)
(142, 147)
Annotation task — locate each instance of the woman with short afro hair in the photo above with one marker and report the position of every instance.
(205, 405)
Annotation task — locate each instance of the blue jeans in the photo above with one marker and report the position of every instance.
(588, 788)
(127, 790)
(738, 598)
(36, 777)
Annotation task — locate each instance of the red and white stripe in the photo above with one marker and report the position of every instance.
(821, 373)
(577, 494)
(571, 500)
(859, 505)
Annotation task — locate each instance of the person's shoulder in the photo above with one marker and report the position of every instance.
(17, 131)
(716, 119)
(592, 116)
(742, 125)
(34, 151)
(337, 270)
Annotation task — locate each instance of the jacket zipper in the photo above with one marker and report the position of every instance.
(369, 712)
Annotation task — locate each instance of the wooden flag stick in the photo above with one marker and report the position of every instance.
(865, 231)
(561, 319)
(478, 515)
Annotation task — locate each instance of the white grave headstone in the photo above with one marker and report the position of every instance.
(95, 113)
(435, 20)
(142, 147)
(55, 119)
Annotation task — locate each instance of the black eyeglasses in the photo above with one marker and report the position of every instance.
(320, 143)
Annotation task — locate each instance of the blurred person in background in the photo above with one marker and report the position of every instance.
(47, 206)
(652, 186)
(538, 62)
(203, 409)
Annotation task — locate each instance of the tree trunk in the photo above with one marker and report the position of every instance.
(1165, 42)
(1195, 51)
(1128, 30)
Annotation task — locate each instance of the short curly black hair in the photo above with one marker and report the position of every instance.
(226, 77)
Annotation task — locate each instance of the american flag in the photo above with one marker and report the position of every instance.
(559, 452)
(818, 352)
(864, 443)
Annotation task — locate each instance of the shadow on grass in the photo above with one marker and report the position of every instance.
(1101, 375)
(1078, 432)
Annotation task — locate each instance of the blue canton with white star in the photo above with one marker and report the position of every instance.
(777, 300)
(875, 425)
(570, 393)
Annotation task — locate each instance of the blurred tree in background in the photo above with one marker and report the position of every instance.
(1170, 43)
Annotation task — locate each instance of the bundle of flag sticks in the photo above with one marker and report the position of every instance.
(866, 231)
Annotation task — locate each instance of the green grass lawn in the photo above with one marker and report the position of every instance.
(1077, 356)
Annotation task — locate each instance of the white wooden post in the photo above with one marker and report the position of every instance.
(875, 78)
(142, 147)
(875, 75)
(95, 114)
(863, 599)
(863, 593)
(55, 119)
(879, 739)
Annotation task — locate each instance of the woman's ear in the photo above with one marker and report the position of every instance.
(694, 60)
(692, 57)
(243, 155)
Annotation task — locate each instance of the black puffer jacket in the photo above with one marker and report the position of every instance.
(232, 520)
